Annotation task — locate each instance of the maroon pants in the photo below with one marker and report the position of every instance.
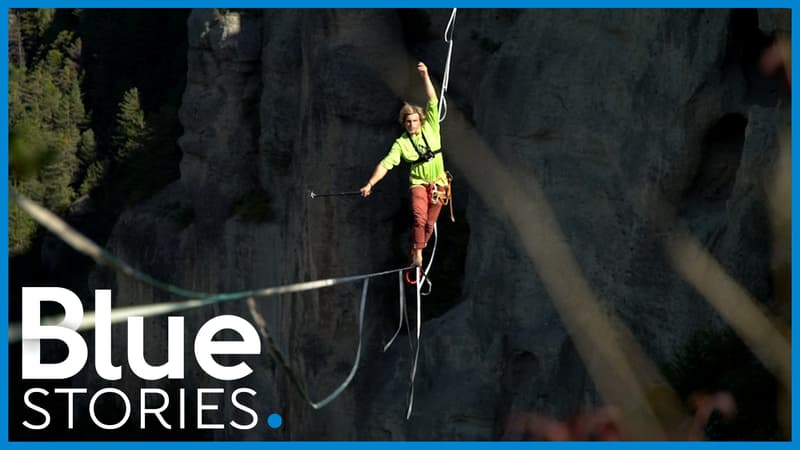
(425, 216)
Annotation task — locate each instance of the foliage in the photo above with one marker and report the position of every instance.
(46, 119)
(34, 24)
(78, 125)
(131, 132)
(87, 149)
(94, 174)
(21, 228)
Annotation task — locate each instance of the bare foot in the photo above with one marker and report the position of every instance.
(418, 257)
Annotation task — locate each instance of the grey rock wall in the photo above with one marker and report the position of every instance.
(598, 107)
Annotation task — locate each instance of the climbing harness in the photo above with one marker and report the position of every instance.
(425, 156)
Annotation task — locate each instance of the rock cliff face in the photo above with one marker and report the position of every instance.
(593, 107)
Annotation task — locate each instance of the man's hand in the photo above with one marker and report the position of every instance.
(430, 92)
(366, 190)
(422, 69)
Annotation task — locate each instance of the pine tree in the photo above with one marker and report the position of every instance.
(34, 24)
(58, 176)
(16, 52)
(94, 174)
(21, 227)
(46, 114)
(131, 132)
(16, 105)
(87, 149)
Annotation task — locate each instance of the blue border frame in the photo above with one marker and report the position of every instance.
(372, 4)
(4, 225)
(566, 4)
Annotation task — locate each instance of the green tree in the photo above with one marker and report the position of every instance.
(16, 104)
(57, 149)
(35, 23)
(94, 174)
(16, 52)
(131, 131)
(46, 114)
(87, 149)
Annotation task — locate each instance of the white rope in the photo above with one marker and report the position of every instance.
(400, 314)
(448, 38)
(425, 277)
(278, 355)
(346, 382)
(416, 352)
(420, 278)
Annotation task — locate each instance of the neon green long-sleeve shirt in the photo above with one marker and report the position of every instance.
(402, 149)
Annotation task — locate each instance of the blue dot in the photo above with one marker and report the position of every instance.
(274, 420)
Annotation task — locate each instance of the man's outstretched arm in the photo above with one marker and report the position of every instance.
(378, 175)
(423, 72)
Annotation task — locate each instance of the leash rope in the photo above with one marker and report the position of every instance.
(425, 277)
(448, 38)
(413, 376)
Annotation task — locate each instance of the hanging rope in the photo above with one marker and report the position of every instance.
(420, 278)
(400, 314)
(278, 355)
(416, 351)
(425, 277)
(448, 38)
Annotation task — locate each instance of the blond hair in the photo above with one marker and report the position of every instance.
(408, 109)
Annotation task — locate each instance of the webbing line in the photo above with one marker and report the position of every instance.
(158, 309)
(86, 246)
